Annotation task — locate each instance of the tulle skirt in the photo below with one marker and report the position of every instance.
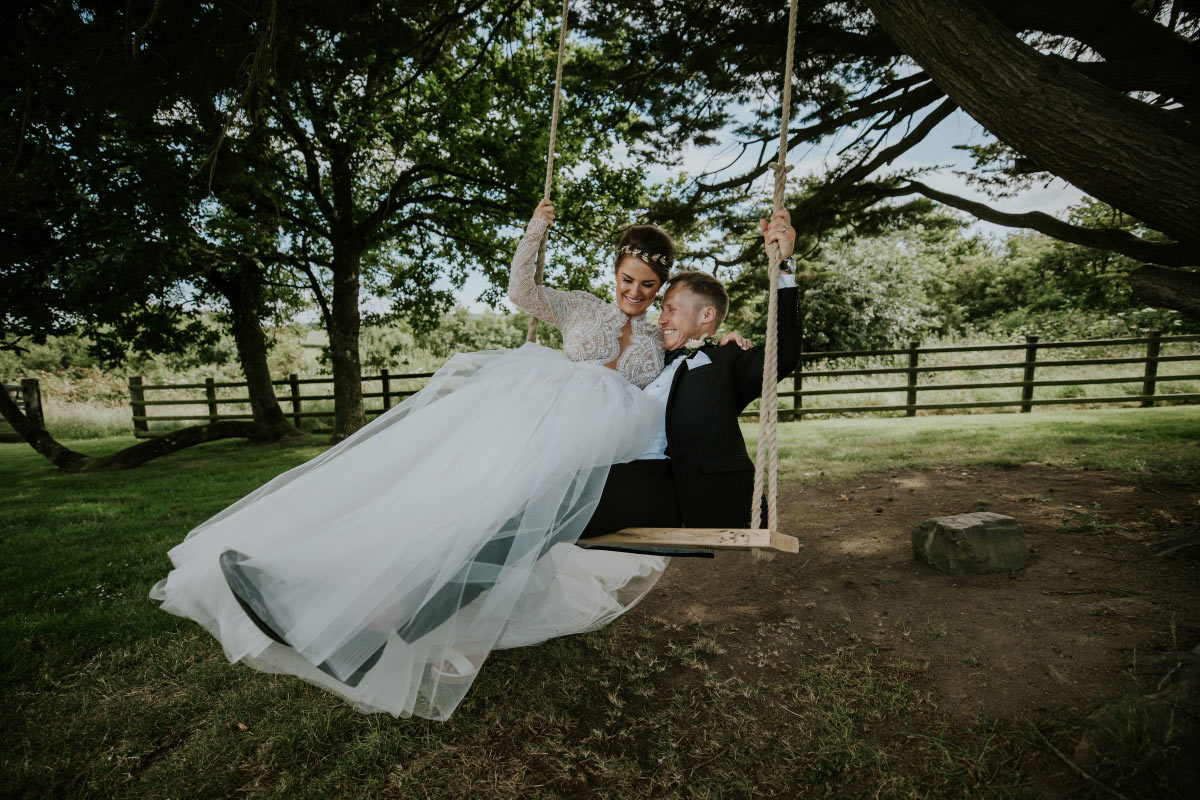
(443, 527)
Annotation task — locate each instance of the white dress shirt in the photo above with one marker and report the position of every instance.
(660, 390)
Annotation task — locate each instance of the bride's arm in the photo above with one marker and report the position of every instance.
(548, 305)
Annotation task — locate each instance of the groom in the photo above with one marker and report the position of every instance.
(696, 472)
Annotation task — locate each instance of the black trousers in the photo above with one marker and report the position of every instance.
(637, 494)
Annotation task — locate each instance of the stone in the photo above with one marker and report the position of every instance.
(975, 543)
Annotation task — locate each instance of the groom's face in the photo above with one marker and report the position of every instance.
(684, 316)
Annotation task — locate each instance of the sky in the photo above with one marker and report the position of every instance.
(937, 149)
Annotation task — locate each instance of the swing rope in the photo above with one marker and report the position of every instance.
(767, 457)
(539, 275)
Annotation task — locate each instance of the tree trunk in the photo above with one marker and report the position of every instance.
(348, 412)
(1168, 288)
(69, 460)
(1142, 160)
(243, 293)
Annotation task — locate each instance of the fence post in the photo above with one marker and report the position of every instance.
(294, 382)
(32, 395)
(137, 402)
(1030, 366)
(913, 358)
(210, 394)
(797, 400)
(1148, 383)
(387, 389)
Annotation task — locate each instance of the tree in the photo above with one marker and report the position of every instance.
(100, 226)
(404, 142)
(1101, 93)
(1079, 121)
(222, 150)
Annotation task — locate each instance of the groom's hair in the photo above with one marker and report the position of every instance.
(706, 289)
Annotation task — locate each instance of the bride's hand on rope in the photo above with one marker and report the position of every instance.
(779, 229)
(544, 210)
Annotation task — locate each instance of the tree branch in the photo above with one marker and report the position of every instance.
(812, 206)
(1140, 159)
(69, 460)
(905, 104)
(312, 166)
(304, 264)
(1113, 28)
(1168, 253)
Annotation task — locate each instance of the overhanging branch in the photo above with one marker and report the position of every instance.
(902, 105)
(1173, 254)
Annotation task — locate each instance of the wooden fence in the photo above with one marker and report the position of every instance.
(913, 368)
(28, 397)
(292, 403)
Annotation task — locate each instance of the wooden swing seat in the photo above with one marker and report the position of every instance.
(697, 538)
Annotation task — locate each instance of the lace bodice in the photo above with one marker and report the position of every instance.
(591, 328)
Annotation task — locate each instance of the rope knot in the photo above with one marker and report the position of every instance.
(784, 168)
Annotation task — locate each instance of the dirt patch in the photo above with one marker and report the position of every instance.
(1060, 633)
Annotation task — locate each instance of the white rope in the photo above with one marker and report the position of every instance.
(767, 458)
(539, 275)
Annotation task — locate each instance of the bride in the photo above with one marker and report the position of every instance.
(387, 568)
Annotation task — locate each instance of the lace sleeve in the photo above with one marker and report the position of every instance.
(548, 305)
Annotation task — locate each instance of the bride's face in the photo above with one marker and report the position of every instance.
(636, 286)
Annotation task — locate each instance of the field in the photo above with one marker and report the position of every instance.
(846, 671)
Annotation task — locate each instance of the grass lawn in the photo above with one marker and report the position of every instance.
(104, 695)
(1164, 442)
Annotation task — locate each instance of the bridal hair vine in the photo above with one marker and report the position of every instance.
(642, 255)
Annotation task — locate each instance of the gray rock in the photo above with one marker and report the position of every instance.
(971, 543)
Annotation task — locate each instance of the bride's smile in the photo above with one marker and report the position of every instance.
(637, 286)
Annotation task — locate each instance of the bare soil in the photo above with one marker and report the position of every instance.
(1060, 635)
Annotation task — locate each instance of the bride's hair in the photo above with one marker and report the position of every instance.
(649, 244)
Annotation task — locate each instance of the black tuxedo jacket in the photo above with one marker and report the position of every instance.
(709, 478)
(713, 474)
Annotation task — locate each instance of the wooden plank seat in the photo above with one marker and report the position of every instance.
(660, 539)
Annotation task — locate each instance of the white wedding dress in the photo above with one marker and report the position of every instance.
(444, 527)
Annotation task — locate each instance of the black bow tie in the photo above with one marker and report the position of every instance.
(683, 352)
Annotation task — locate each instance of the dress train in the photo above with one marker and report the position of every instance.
(445, 525)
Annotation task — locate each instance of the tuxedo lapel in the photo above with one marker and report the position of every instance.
(677, 382)
(679, 372)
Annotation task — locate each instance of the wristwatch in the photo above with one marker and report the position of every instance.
(787, 266)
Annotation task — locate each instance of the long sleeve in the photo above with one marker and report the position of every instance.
(748, 364)
(548, 305)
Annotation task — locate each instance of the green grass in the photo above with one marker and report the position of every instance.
(103, 695)
(1164, 442)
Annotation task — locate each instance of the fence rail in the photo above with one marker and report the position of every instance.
(914, 367)
(292, 403)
